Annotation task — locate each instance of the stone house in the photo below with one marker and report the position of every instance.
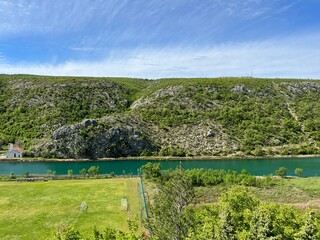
(14, 152)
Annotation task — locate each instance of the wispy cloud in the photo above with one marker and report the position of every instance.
(297, 57)
(126, 19)
(159, 38)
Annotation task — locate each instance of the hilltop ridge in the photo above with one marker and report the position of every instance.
(85, 117)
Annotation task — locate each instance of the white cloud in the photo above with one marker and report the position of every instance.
(293, 57)
(59, 16)
(41, 16)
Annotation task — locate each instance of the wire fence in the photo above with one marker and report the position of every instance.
(143, 208)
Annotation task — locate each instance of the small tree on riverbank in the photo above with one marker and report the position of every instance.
(282, 172)
(70, 173)
(12, 176)
(93, 170)
(298, 172)
(83, 172)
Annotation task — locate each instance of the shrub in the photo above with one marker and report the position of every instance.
(282, 171)
(298, 172)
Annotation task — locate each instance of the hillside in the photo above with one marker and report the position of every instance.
(77, 117)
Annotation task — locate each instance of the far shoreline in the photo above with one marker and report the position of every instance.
(160, 158)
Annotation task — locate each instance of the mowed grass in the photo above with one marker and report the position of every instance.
(33, 210)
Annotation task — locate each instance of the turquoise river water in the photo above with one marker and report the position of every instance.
(310, 166)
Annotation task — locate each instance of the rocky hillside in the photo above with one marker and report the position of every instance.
(73, 117)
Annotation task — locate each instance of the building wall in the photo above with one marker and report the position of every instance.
(13, 154)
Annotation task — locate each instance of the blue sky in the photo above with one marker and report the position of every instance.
(161, 38)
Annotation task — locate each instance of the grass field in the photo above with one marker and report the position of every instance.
(299, 192)
(34, 210)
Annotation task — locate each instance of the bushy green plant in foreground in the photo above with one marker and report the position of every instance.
(238, 215)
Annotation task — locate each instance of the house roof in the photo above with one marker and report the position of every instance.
(17, 149)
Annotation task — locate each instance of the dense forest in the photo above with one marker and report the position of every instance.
(78, 117)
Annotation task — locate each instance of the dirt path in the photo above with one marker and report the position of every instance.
(307, 205)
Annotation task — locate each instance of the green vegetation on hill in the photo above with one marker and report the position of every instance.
(32, 107)
(210, 117)
(256, 116)
(259, 115)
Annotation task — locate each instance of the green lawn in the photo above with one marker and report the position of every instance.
(35, 210)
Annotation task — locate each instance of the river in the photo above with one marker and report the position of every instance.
(310, 166)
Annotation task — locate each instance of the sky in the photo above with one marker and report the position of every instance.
(161, 38)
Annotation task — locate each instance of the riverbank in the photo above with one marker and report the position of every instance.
(159, 158)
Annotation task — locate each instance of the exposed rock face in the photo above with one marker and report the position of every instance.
(66, 131)
(93, 139)
(202, 138)
(302, 87)
(118, 136)
(169, 92)
(241, 89)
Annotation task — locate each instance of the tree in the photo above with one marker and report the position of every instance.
(261, 224)
(202, 229)
(282, 172)
(167, 218)
(235, 204)
(70, 173)
(309, 230)
(151, 170)
(97, 170)
(67, 233)
(298, 172)
(11, 175)
(93, 170)
(51, 172)
(83, 172)
(259, 151)
(225, 229)
(19, 143)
